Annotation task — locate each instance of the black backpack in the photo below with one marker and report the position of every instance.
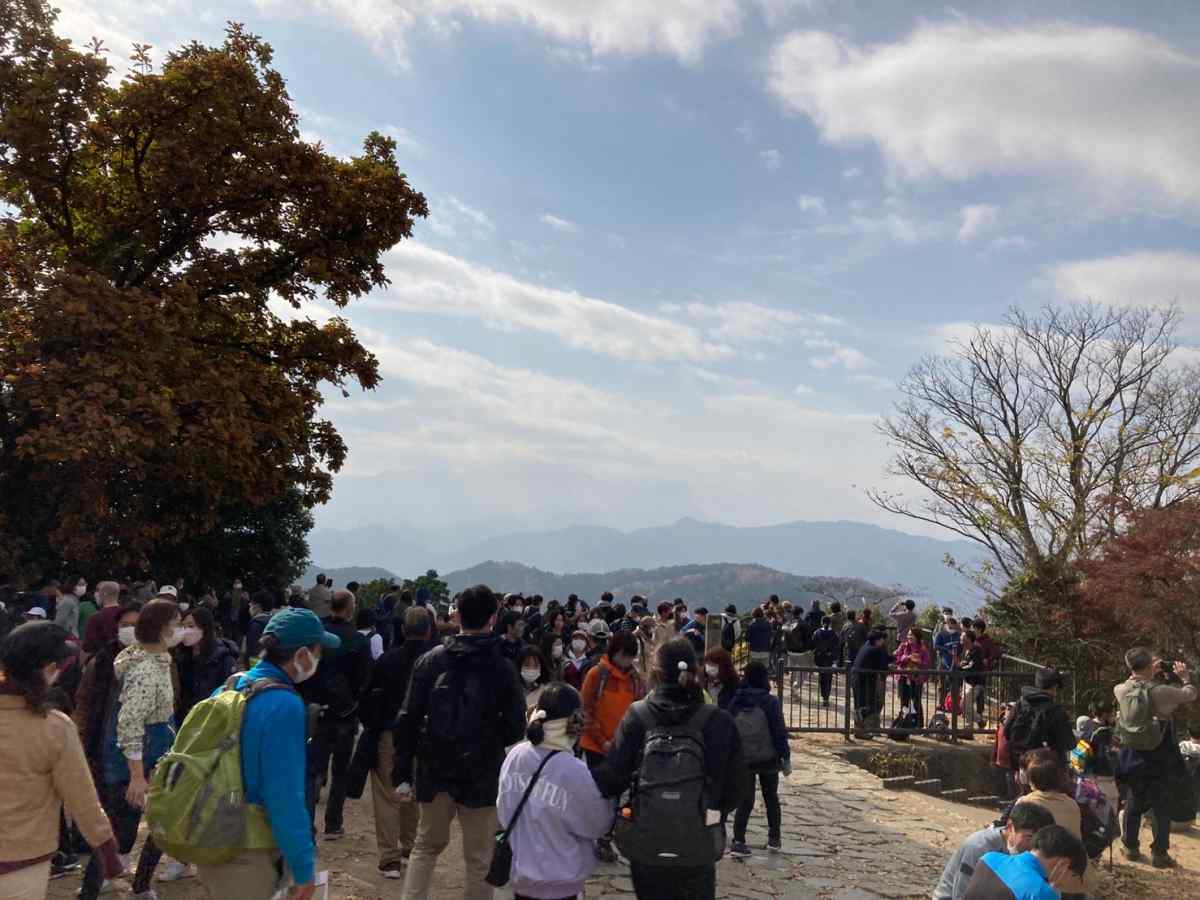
(665, 823)
(1026, 730)
(796, 638)
(458, 740)
(755, 731)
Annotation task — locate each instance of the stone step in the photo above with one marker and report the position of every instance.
(929, 786)
(955, 794)
(898, 782)
(989, 800)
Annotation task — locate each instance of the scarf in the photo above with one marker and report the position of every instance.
(556, 737)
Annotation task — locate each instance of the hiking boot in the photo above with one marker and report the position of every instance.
(774, 845)
(335, 834)
(605, 852)
(1163, 861)
(739, 850)
(1133, 854)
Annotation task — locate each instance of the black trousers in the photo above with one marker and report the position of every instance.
(1148, 793)
(769, 782)
(911, 693)
(125, 820)
(674, 883)
(329, 755)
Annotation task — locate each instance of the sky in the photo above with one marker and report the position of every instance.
(681, 252)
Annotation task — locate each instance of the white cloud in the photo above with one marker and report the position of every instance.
(427, 280)
(848, 358)
(771, 158)
(893, 226)
(1014, 242)
(1113, 107)
(803, 390)
(977, 219)
(558, 224)
(851, 173)
(750, 323)
(811, 203)
(1142, 278)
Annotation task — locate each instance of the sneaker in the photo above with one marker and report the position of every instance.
(739, 850)
(1163, 861)
(62, 865)
(334, 834)
(393, 872)
(1133, 854)
(176, 871)
(775, 845)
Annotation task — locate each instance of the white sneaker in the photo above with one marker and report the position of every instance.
(176, 871)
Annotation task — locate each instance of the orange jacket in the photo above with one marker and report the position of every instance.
(604, 709)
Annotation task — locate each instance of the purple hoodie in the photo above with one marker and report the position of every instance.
(552, 843)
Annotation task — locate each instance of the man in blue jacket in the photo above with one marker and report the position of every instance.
(274, 763)
(1036, 875)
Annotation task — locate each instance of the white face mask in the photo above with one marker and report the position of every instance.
(303, 673)
(712, 671)
(191, 636)
(126, 636)
(556, 651)
(578, 646)
(531, 675)
(175, 639)
(80, 590)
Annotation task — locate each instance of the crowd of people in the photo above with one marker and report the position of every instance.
(573, 731)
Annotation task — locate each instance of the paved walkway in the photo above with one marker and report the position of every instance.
(843, 839)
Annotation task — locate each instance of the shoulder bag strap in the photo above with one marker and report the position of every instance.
(529, 790)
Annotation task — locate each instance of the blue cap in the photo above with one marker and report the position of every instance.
(294, 628)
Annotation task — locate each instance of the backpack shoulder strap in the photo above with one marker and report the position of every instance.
(262, 685)
(602, 680)
(528, 790)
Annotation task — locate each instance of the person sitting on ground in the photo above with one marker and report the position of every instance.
(1149, 754)
(551, 841)
(1051, 789)
(677, 702)
(1015, 836)
(1038, 874)
(763, 732)
(720, 677)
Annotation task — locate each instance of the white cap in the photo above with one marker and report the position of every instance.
(168, 590)
(36, 612)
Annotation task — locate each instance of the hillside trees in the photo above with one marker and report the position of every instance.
(1034, 438)
(160, 241)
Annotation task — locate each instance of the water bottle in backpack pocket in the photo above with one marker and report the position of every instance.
(666, 822)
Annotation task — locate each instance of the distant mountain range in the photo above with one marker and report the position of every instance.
(841, 550)
(715, 585)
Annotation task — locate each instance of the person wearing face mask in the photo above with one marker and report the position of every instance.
(66, 614)
(89, 605)
(274, 764)
(137, 733)
(1015, 836)
(205, 660)
(534, 670)
(577, 658)
(551, 839)
(97, 693)
(720, 677)
(42, 766)
(554, 652)
(1038, 874)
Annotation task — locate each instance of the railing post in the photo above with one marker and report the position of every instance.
(955, 699)
(849, 694)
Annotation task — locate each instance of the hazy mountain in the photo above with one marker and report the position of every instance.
(343, 576)
(843, 549)
(714, 585)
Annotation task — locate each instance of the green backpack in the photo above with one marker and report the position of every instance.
(196, 808)
(1137, 728)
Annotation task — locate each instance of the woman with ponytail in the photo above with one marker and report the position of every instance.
(677, 701)
(552, 837)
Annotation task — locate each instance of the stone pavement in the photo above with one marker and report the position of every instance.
(844, 838)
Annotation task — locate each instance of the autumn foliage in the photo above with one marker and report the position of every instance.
(160, 238)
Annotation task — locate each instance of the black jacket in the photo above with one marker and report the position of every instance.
(388, 685)
(474, 651)
(826, 647)
(342, 674)
(199, 675)
(673, 705)
(254, 635)
(1056, 731)
(759, 635)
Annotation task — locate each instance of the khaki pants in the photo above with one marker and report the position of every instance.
(433, 834)
(251, 875)
(395, 820)
(29, 883)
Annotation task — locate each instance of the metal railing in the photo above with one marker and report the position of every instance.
(941, 703)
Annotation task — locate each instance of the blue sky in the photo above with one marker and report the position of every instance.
(681, 252)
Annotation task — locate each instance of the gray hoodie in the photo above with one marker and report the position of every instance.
(552, 841)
